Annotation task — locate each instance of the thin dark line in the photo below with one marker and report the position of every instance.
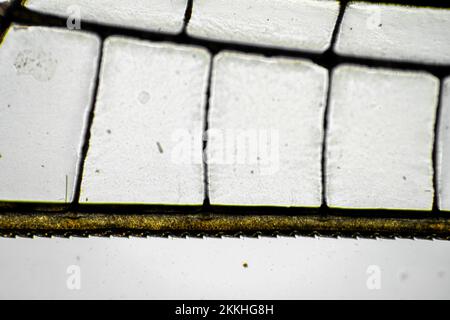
(188, 14)
(87, 133)
(331, 56)
(174, 210)
(324, 144)
(436, 147)
(337, 26)
(206, 201)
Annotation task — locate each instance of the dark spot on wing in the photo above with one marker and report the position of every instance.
(160, 149)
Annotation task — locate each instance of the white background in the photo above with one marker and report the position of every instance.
(174, 268)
